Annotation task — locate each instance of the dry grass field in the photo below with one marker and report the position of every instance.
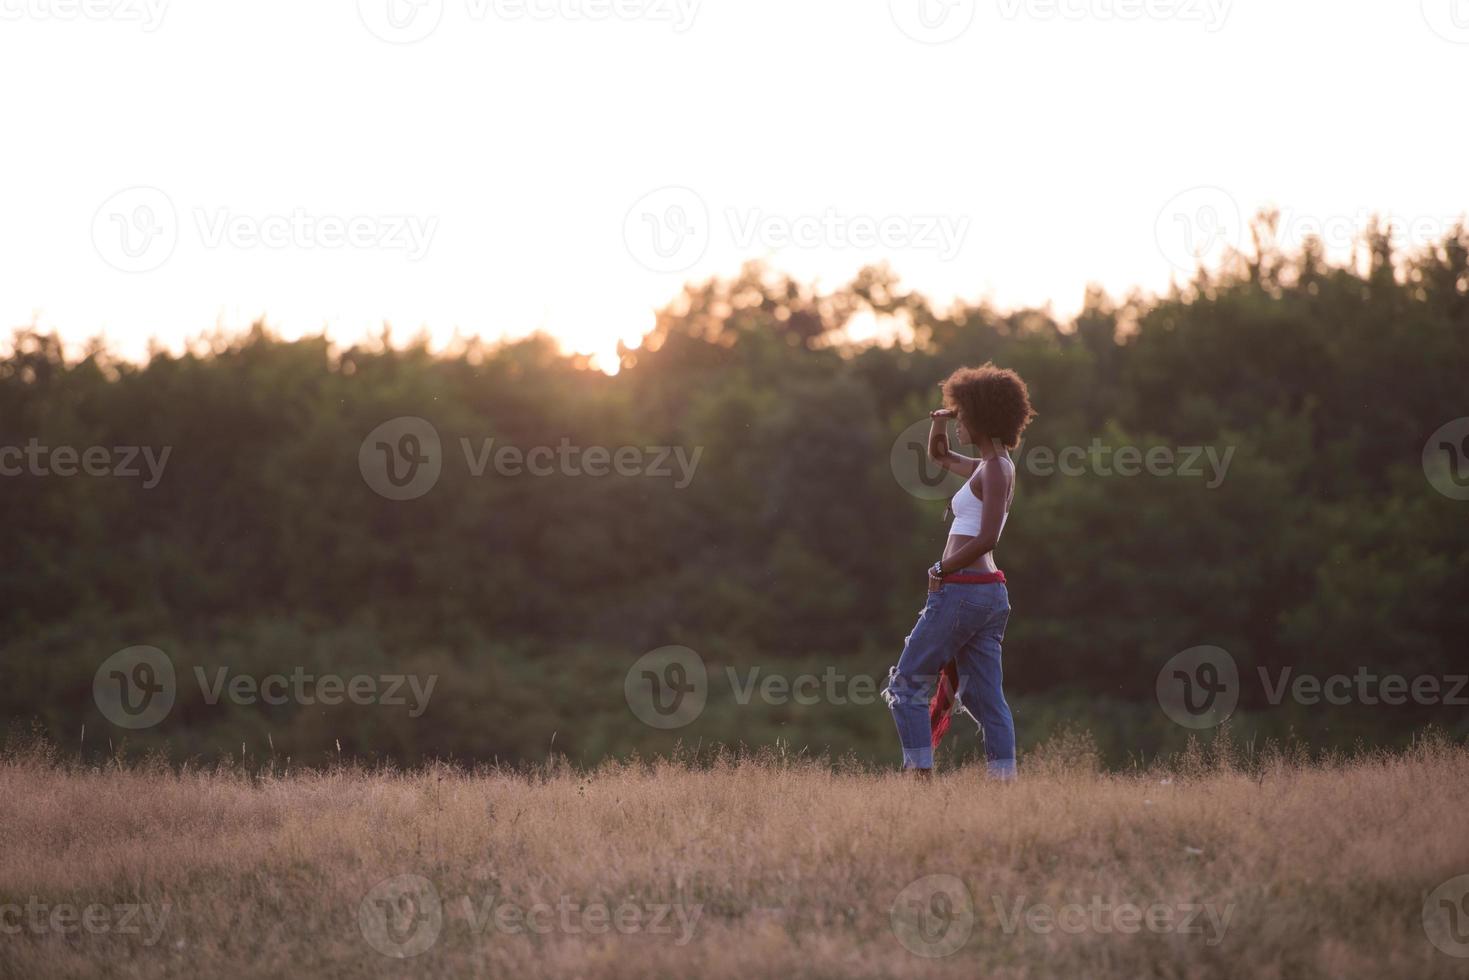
(762, 867)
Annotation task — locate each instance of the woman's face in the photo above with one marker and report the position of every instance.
(965, 437)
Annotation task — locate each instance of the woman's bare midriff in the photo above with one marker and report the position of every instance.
(982, 564)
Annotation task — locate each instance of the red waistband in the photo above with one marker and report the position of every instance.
(976, 578)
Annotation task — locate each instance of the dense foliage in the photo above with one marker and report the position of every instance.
(1322, 546)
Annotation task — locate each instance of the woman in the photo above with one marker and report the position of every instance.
(968, 606)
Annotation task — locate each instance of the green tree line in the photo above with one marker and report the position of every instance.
(1314, 542)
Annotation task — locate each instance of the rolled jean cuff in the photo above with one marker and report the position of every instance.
(1001, 768)
(919, 758)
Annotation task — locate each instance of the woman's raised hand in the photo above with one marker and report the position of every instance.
(938, 435)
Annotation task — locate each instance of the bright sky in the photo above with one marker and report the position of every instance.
(495, 166)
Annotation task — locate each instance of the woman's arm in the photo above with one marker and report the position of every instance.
(993, 481)
(938, 445)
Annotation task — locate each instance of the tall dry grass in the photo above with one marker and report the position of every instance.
(772, 868)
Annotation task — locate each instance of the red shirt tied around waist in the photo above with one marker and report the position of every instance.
(941, 708)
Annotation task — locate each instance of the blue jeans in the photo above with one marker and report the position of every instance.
(967, 623)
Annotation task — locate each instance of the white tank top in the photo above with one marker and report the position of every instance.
(967, 508)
